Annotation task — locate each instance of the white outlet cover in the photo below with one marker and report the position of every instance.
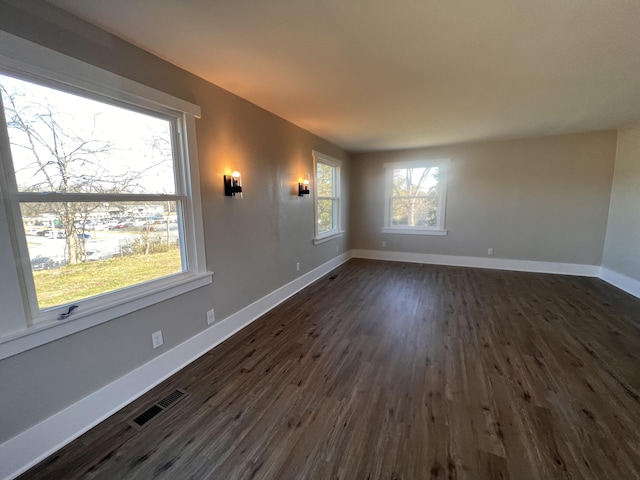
(156, 338)
(211, 316)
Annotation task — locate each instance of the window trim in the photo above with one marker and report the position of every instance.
(439, 228)
(24, 59)
(337, 231)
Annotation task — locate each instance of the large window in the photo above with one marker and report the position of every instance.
(99, 196)
(326, 196)
(415, 197)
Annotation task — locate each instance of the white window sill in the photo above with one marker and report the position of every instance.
(326, 238)
(414, 231)
(46, 332)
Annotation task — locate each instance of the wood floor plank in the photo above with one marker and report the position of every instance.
(397, 371)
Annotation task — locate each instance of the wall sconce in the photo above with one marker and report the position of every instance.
(303, 188)
(233, 185)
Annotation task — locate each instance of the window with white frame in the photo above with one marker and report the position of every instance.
(416, 193)
(100, 195)
(326, 195)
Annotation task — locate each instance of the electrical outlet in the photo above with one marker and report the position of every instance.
(490, 251)
(211, 316)
(156, 338)
(337, 248)
(297, 266)
(384, 243)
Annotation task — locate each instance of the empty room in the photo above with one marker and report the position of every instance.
(319, 239)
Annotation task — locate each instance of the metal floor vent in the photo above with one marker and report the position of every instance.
(156, 409)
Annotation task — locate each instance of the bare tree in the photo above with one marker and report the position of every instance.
(61, 160)
(419, 202)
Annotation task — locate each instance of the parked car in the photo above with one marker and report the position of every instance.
(94, 255)
(41, 263)
(57, 234)
(45, 263)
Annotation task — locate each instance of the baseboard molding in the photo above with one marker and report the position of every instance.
(28, 448)
(482, 262)
(628, 284)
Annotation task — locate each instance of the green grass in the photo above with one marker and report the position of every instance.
(68, 284)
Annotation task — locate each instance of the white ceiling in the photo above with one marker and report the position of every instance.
(390, 74)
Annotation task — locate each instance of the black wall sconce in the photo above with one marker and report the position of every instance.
(233, 185)
(303, 188)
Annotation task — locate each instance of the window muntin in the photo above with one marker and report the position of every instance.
(416, 195)
(326, 196)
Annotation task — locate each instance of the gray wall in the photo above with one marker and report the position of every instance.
(252, 245)
(543, 199)
(622, 246)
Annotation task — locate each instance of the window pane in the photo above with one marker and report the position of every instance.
(69, 144)
(325, 215)
(79, 250)
(409, 182)
(414, 212)
(324, 180)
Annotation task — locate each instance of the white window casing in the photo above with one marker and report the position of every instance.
(22, 325)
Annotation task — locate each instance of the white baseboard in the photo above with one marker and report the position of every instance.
(482, 262)
(25, 450)
(628, 284)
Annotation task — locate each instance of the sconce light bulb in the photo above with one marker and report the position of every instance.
(305, 182)
(235, 174)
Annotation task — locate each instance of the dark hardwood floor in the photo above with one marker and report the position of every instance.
(398, 371)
